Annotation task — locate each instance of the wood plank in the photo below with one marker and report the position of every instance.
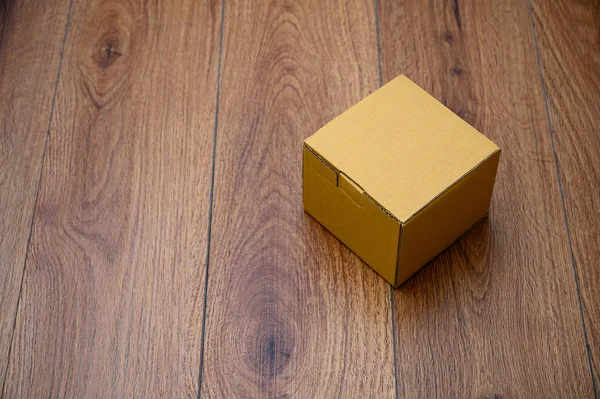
(31, 40)
(568, 38)
(290, 310)
(112, 295)
(497, 315)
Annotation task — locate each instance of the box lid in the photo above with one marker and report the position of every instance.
(401, 146)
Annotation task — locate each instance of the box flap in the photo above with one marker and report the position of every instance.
(401, 146)
(342, 207)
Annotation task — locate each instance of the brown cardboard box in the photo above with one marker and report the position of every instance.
(398, 177)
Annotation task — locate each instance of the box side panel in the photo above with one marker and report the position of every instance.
(342, 208)
(446, 218)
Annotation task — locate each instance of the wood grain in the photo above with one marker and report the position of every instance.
(291, 312)
(31, 40)
(569, 45)
(112, 298)
(497, 315)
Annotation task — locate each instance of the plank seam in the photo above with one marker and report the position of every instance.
(37, 193)
(562, 197)
(392, 313)
(394, 338)
(376, 5)
(210, 209)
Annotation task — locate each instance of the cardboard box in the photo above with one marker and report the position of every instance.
(398, 177)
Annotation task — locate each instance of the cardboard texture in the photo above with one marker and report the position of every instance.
(398, 177)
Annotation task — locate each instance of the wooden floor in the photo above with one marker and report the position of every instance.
(152, 237)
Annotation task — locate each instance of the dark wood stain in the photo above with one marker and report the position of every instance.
(6, 7)
(499, 306)
(456, 71)
(569, 46)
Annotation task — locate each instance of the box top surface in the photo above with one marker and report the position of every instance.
(401, 146)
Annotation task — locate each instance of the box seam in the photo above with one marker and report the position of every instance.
(400, 238)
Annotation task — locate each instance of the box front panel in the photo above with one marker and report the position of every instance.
(352, 217)
(448, 217)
